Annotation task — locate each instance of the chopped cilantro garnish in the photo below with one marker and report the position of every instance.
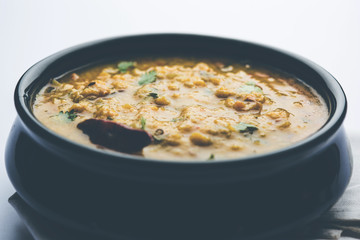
(148, 77)
(68, 115)
(245, 127)
(177, 119)
(124, 66)
(143, 123)
(55, 82)
(251, 83)
(154, 95)
(212, 157)
(250, 87)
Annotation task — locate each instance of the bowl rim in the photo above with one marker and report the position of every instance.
(23, 92)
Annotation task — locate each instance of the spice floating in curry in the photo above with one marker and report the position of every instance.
(181, 109)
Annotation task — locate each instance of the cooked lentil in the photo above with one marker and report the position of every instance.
(195, 109)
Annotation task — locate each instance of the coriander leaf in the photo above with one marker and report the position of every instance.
(62, 115)
(148, 77)
(245, 127)
(212, 157)
(143, 123)
(55, 82)
(251, 83)
(124, 66)
(71, 115)
(177, 119)
(250, 87)
(68, 115)
(154, 95)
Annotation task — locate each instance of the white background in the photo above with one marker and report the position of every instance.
(327, 32)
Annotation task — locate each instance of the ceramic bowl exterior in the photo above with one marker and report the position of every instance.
(114, 195)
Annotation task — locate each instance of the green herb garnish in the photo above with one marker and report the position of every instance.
(212, 157)
(250, 87)
(154, 95)
(250, 83)
(177, 119)
(143, 123)
(68, 115)
(124, 66)
(55, 82)
(245, 127)
(148, 77)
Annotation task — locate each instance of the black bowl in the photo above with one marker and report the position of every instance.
(120, 195)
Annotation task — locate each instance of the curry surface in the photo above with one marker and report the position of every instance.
(195, 109)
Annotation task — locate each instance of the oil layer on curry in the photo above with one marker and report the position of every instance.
(181, 109)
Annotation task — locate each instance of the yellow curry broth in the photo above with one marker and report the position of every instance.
(200, 110)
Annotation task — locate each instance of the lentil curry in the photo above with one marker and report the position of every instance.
(181, 109)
